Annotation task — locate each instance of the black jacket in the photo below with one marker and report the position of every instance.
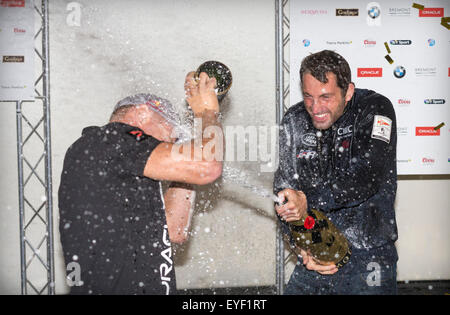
(349, 170)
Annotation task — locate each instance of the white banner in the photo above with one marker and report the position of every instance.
(16, 50)
(396, 48)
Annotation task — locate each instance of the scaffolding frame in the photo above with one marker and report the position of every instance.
(282, 39)
(36, 127)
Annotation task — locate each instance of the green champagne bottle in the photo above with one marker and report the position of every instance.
(222, 74)
(317, 235)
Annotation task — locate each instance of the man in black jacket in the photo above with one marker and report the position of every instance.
(338, 155)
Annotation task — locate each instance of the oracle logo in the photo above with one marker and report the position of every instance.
(427, 131)
(404, 102)
(12, 3)
(370, 72)
(431, 12)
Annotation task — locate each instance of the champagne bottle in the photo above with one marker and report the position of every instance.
(222, 74)
(317, 235)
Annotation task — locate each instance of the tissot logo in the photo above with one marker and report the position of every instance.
(17, 30)
(370, 43)
(427, 160)
(13, 58)
(427, 131)
(370, 72)
(403, 101)
(431, 12)
(347, 12)
(400, 42)
(434, 101)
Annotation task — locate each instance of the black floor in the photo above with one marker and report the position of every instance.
(404, 288)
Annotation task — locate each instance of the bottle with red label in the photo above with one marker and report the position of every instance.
(317, 235)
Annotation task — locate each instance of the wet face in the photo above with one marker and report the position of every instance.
(324, 102)
(155, 125)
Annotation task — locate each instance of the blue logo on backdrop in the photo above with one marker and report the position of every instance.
(431, 42)
(374, 12)
(399, 72)
(306, 42)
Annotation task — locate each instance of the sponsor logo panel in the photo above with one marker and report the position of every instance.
(347, 12)
(399, 12)
(431, 12)
(13, 59)
(12, 3)
(400, 42)
(427, 131)
(430, 101)
(399, 72)
(370, 72)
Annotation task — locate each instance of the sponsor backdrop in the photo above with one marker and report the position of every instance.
(16, 50)
(398, 48)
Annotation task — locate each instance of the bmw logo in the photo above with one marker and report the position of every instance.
(399, 72)
(431, 42)
(306, 42)
(374, 12)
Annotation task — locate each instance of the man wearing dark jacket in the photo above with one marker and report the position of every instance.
(338, 155)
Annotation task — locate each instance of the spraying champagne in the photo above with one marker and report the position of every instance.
(317, 235)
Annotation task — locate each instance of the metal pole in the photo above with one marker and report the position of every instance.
(48, 155)
(21, 199)
(279, 113)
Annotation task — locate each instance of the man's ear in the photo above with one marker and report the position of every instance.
(350, 91)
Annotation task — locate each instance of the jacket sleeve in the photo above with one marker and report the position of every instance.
(358, 172)
(286, 174)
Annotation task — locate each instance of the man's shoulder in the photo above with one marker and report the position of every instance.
(296, 112)
(371, 98)
(371, 103)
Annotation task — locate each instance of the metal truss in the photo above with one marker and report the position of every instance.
(282, 103)
(34, 172)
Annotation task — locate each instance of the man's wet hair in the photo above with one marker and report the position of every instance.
(323, 62)
(120, 112)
